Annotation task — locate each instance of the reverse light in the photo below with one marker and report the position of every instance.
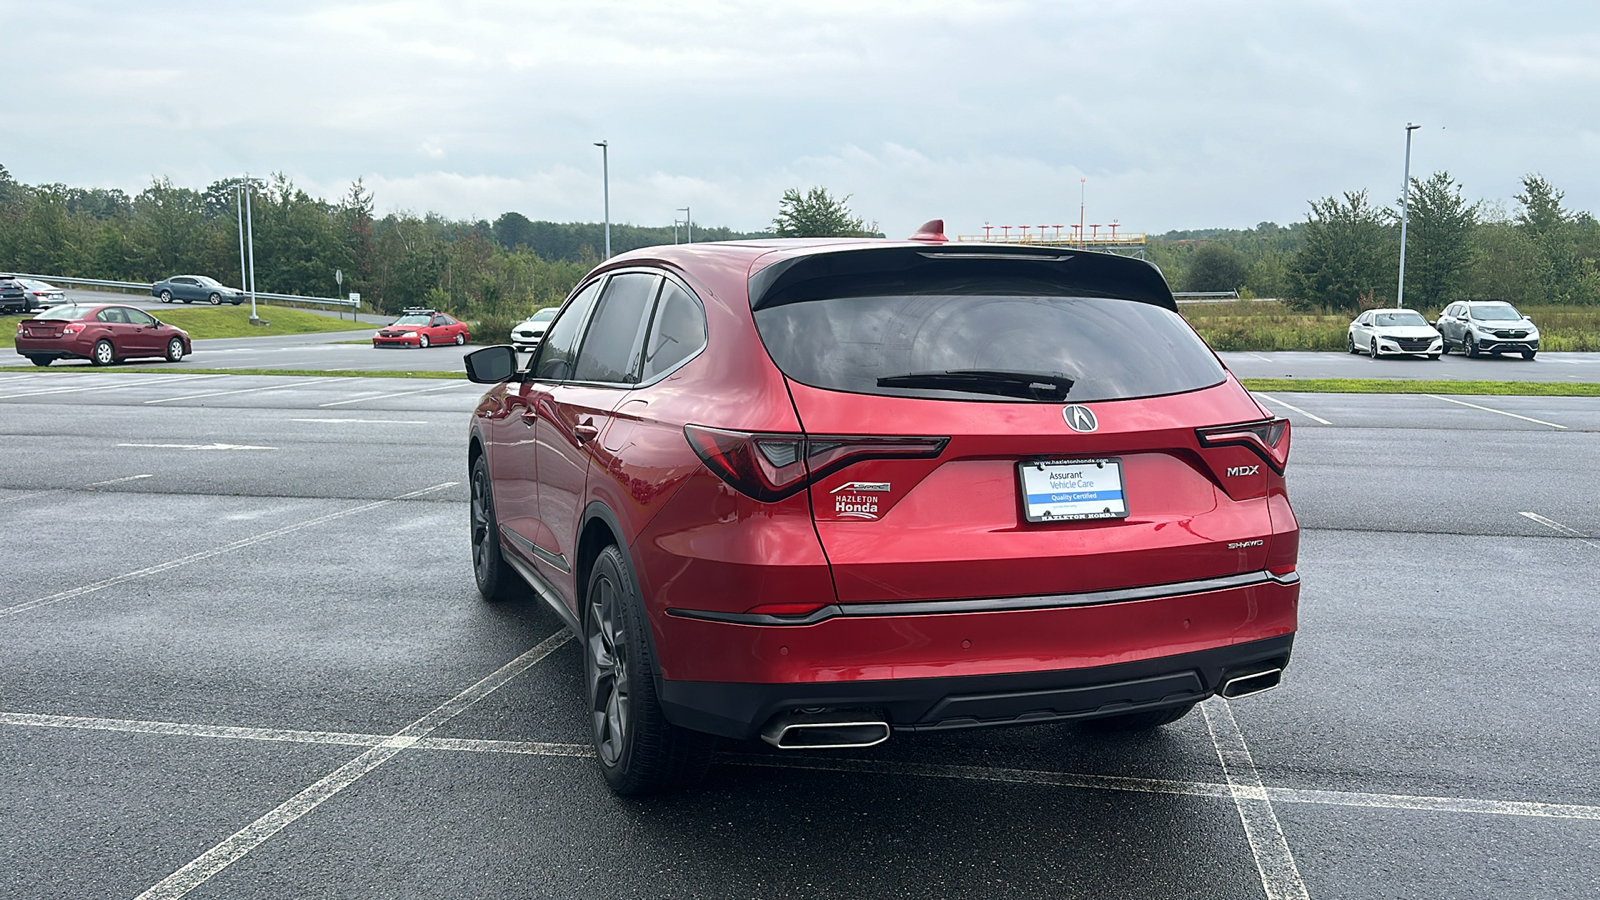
(1268, 439)
(769, 467)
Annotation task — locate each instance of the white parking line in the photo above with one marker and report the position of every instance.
(274, 387)
(1279, 874)
(253, 835)
(1271, 399)
(200, 446)
(364, 421)
(118, 480)
(386, 396)
(1212, 790)
(1499, 411)
(101, 386)
(1557, 526)
(14, 609)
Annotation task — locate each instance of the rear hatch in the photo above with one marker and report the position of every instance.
(1066, 400)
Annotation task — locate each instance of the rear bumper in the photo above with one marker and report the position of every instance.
(738, 710)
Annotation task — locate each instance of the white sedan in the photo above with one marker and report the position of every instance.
(1402, 331)
(530, 331)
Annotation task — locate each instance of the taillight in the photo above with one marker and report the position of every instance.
(1268, 439)
(770, 467)
(74, 328)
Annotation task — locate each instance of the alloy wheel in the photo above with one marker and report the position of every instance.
(482, 514)
(1374, 348)
(422, 341)
(606, 664)
(215, 299)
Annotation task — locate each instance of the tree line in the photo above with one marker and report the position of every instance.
(1346, 255)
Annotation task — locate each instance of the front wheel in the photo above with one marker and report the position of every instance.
(166, 296)
(1529, 354)
(1469, 346)
(640, 752)
(175, 350)
(1139, 721)
(214, 299)
(1435, 355)
(1374, 348)
(422, 341)
(103, 354)
(496, 581)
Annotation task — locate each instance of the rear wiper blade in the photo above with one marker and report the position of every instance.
(1023, 385)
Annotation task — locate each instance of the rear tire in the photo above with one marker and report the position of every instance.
(639, 751)
(41, 360)
(460, 339)
(166, 297)
(1350, 344)
(103, 353)
(497, 582)
(1138, 721)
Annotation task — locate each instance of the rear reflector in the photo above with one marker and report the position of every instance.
(1268, 439)
(770, 467)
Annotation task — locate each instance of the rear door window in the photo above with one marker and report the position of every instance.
(924, 345)
(611, 347)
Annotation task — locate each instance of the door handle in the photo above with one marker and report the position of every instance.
(585, 432)
(529, 416)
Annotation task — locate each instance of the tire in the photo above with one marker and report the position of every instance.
(1529, 354)
(166, 297)
(214, 299)
(1138, 721)
(237, 302)
(460, 339)
(640, 752)
(1350, 343)
(1374, 348)
(497, 583)
(41, 360)
(103, 353)
(187, 302)
(175, 350)
(422, 342)
(1469, 346)
(1436, 355)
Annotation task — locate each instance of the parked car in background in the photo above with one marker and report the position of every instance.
(530, 331)
(1488, 326)
(823, 492)
(13, 296)
(421, 328)
(189, 288)
(101, 333)
(1393, 331)
(42, 295)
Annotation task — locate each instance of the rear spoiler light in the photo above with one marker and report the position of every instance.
(1268, 439)
(769, 467)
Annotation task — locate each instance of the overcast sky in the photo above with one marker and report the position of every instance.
(1179, 113)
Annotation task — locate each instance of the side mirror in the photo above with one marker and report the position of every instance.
(491, 365)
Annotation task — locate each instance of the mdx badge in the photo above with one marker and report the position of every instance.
(854, 500)
(1079, 418)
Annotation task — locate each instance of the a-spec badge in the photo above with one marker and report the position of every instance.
(1080, 418)
(854, 500)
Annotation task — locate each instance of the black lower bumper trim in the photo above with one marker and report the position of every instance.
(738, 709)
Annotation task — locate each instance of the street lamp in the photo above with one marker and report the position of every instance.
(688, 225)
(249, 224)
(1405, 209)
(605, 178)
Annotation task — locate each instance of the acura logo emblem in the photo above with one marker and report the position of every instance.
(1079, 418)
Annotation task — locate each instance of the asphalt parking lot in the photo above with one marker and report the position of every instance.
(241, 656)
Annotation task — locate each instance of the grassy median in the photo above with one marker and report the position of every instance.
(1386, 386)
(210, 322)
(1269, 325)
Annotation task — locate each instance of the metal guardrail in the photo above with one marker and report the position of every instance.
(1218, 297)
(144, 287)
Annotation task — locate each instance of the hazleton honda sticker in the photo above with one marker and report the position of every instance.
(854, 500)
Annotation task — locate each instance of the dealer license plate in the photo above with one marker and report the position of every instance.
(1057, 490)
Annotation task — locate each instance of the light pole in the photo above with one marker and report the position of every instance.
(688, 225)
(238, 197)
(1405, 210)
(605, 180)
(249, 224)
(1083, 193)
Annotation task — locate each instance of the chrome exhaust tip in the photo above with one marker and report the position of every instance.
(1253, 683)
(825, 730)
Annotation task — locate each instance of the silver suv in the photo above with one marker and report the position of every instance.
(1477, 327)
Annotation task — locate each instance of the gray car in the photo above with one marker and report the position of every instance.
(1476, 327)
(189, 288)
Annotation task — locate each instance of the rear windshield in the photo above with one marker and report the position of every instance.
(1094, 348)
(66, 312)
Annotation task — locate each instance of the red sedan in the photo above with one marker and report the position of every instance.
(421, 328)
(102, 334)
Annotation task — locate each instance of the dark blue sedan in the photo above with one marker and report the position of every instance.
(190, 288)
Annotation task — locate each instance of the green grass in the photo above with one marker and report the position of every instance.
(1382, 386)
(206, 323)
(185, 370)
(1249, 325)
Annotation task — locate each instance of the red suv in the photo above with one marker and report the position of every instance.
(823, 491)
